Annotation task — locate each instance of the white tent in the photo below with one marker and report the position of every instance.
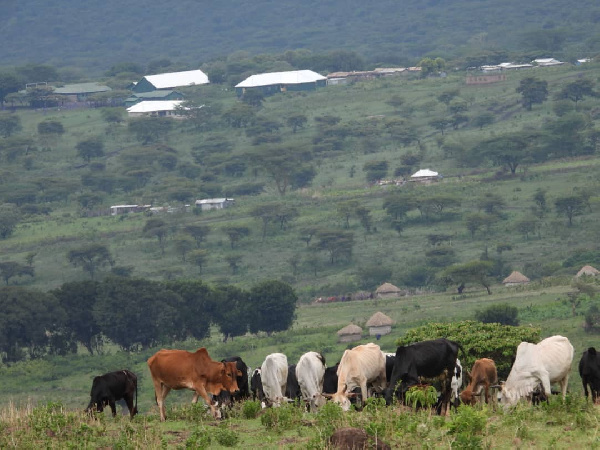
(424, 173)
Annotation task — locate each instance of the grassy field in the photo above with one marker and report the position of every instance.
(42, 401)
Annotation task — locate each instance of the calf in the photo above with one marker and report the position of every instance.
(107, 389)
(482, 375)
(456, 383)
(589, 369)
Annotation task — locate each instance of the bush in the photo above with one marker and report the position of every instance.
(250, 409)
(226, 437)
(503, 314)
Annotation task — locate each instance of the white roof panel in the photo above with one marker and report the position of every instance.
(154, 106)
(177, 79)
(291, 77)
(424, 173)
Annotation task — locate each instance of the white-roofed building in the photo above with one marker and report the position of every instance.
(214, 203)
(155, 108)
(171, 80)
(269, 83)
(425, 176)
(545, 62)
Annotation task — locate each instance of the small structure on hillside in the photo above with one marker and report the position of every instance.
(214, 203)
(587, 271)
(388, 290)
(170, 80)
(116, 210)
(379, 324)
(515, 279)
(270, 83)
(80, 92)
(425, 176)
(350, 333)
(156, 108)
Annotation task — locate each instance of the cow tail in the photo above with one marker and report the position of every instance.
(462, 350)
(322, 358)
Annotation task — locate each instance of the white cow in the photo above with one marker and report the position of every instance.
(359, 366)
(544, 363)
(274, 372)
(310, 371)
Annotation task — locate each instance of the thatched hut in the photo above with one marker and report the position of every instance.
(515, 279)
(379, 324)
(388, 290)
(350, 333)
(587, 271)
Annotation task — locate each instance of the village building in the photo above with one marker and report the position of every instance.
(587, 271)
(208, 204)
(161, 95)
(485, 78)
(388, 290)
(379, 324)
(547, 62)
(116, 210)
(271, 83)
(155, 108)
(79, 92)
(425, 176)
(515, 279)
(170, 80)
(350, 333)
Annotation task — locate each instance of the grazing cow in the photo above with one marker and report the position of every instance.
(483, 375)
(589, 369)
(274, 374)
(107, 389)
(310, 372)
(428, 359)
(456, 383)
(547, 362)
(292, 388)
(390, 358)
(256, 386)
(362, 365)
(242, 381)
(330, 379)
(180, 369)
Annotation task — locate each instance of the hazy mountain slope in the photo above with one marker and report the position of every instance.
(98, 34)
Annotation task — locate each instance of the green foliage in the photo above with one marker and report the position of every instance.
(198, 439)
(282, 418)
(9, 124)
(421, 396)
(503, 314)
(250, 409)
(225, 436)
(272, 306)
(533, 90)
(91, 257)
(479, 340)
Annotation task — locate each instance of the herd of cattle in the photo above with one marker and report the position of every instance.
(363, 371)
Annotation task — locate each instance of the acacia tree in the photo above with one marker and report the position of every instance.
(11, 269)
(9, 218)
(476, 272)
(198, 232)
(337, 243)
(570, 206)
(90, 148)
(532, 90)
(90, 257)
(235, 233)
(9, 124)
(158, 228)
(577, 90)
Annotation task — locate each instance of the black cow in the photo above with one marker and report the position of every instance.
(107, 389)
(330, 380)
(225, 397)
(428, 359)
(589, 369)
(389, 366)
(256, 386)
(292, 388)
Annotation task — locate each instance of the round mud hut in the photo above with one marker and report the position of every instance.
(588, 271)
(388, 290)
(350, 333)
(379, 324)
(515, 279)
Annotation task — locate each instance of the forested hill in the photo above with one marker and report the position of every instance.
(95, 35)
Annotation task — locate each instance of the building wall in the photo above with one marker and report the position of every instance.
(350, 338)
(374, 331)
(485, 79)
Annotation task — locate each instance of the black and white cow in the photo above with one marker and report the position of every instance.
(589, 369)
(107, 389)
(256, 386)
(427, 359)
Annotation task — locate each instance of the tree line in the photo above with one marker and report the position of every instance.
(135, 314)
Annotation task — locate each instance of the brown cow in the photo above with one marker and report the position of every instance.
(180, 369)
(482, 375)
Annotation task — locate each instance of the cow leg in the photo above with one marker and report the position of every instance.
(113, 406)
(129, 401)
(585, 389)
(161, 392)
(201, 391)
(363, 390)
(563, 386)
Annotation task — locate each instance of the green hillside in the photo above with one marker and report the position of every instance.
(97, 35)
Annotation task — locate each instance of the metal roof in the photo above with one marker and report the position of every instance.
(424, 173)
(155, 94)
(154, 106)
(81, 88)
(291, 77)
(177, 79)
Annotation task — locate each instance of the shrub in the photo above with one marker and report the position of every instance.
(226, 437)
(503, 314)
(199, 439)
(282, 418)
(250, 409)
